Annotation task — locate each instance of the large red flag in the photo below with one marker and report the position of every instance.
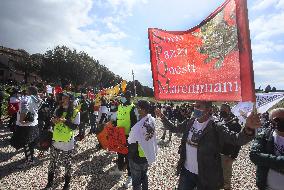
(211, 61)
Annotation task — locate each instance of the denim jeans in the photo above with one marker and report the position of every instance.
(139, 175)
(187, 180)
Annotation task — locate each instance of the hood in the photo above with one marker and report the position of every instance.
(35, 99)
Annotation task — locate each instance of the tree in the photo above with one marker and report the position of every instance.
(69, 66)
(140, 89)
(63, 66)
(273, 89)
(267, 88)
(27, 63)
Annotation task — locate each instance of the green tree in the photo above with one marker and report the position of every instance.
(267, 88)
(69, 66)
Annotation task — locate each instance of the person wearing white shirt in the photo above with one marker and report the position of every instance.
(142, 146)
(267, 153)
(27, 132)
(200, 164)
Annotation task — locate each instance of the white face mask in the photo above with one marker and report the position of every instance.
(123, 100)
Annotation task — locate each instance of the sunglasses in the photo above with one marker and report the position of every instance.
(277, 120)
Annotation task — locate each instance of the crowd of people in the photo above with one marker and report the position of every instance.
(211, 136)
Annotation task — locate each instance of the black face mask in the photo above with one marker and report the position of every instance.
(279, 124)
(223, 114)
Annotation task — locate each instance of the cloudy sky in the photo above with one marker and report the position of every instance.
(115, 31)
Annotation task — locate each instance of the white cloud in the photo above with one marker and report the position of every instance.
(124, 8)
(269, 72)
(267, 26)
(42, 25)
(265, 47)
(143, 73)
(263, 4)
(121, 61)
(280, 4)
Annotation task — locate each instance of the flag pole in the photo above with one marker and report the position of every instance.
(134, 84)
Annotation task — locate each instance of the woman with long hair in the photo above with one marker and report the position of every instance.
(65, 120)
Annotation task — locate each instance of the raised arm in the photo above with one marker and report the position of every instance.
(259, 156)
(243, 137)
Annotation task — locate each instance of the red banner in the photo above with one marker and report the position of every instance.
(113, 139)
(211, 61)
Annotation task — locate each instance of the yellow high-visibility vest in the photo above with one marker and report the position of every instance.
(61, 132)
(140, 151)
(123, 117)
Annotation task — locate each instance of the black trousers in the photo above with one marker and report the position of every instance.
(103, 118)
(29, 151)
(122, 160)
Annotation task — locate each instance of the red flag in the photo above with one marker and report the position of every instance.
(57, 89)
(117, 140)
(102, 137)
(113, 138)
(211, 61)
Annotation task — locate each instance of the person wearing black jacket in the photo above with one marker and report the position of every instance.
(200, 160)
(267, 153)
(84, 118)
(93, 117)
(229, 152)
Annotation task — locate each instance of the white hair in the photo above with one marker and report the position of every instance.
(276, 110)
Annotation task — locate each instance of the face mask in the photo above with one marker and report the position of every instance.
(223, 114)
(123, 100)
(197, 113)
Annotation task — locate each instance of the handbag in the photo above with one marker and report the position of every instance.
(45, 140)
(29, 117)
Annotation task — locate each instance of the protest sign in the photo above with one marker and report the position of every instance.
(264, 101)
(211, 61)
(113, 138)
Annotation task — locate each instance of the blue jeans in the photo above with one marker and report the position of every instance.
(187, 180)
(139, 175)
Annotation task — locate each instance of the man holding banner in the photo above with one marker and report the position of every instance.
(201, 146)
(209, 62)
